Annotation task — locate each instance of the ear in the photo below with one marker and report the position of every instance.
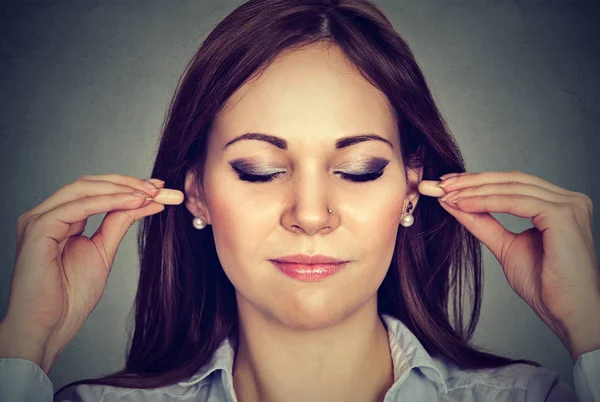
(194, 199)
(414, 177)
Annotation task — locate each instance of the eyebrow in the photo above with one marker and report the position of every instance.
(280, 143)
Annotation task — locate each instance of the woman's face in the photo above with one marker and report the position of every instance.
(308, 99)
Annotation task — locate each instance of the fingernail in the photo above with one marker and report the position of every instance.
(448, 181)
(142, 195)
(448, 175)
(156, 182)
(151, 187)
(450, 194)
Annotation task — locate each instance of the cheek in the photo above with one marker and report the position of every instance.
(379, 222)
(224, 219)
(227, 225)
(378, 209)
(391, 215)
(235, 224)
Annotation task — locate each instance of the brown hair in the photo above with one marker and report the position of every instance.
(185, 304)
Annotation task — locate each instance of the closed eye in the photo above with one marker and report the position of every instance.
(346, 176)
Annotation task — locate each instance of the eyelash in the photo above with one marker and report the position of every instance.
(357, 178)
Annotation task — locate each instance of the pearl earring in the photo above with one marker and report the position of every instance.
(407, 218)
(199, 223)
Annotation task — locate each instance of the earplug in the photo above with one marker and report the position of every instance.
(431, 188)
(168, 197)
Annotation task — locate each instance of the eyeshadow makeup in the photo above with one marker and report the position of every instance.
(366, 170)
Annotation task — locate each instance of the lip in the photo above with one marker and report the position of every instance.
(309, 272)
(309, 259)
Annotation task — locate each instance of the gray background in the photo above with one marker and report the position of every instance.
(85, 87)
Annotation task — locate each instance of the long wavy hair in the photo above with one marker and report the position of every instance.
(185, 304)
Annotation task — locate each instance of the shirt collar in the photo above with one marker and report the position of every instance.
(222, 359)
(407, 353)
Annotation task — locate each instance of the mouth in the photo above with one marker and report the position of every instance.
(309, 268)
(309, 260)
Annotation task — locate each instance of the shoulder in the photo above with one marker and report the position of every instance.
(517, 380)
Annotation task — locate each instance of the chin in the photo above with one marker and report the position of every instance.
(312, 316)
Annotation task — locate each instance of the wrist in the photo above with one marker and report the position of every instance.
(582, 331)
(17, 343)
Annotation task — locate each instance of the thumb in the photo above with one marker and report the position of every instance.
(116, 224)
(484, 227)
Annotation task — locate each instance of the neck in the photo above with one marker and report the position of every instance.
(346, 360)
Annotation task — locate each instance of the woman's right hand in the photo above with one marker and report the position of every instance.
(59, 274)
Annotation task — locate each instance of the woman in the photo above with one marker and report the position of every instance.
(307, 252)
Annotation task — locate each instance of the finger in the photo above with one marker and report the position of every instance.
(129, 216)
(582, 206)
(127, 180)
(544, 214)
(484, 227)
(508, 188)
(476, 179)
(523, 206)
(115, 225)
(156, 182)
(57, 222)
(131, 181)
(76, 229)
(84, 187)
(448, 175)
(79, 227)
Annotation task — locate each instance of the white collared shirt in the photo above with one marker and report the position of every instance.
(417, 377)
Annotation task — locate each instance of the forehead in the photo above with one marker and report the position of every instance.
(306, 95)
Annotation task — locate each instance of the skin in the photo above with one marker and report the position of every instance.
(306, 340)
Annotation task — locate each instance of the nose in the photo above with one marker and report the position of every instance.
(309, 200)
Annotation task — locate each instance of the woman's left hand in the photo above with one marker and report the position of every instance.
(551, 266)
